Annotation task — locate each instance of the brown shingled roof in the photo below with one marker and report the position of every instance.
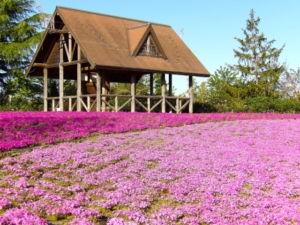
(111, 42)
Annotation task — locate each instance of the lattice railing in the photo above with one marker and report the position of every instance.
(117, 103)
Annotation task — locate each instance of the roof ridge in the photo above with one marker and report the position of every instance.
(139, 26)
(119, 17)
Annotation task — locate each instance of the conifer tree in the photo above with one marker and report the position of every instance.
(19, 35)
(258, 59)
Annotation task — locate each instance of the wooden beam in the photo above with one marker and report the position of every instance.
(191, 94)
(53, 65)
(45, 89)
(79, 75)
(56, 31)
(74, 62)
(89, 68)
(163, 93)
(133, 91)
(61, 75)
(44, 65)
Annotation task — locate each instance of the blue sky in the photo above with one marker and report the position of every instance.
(209, 25)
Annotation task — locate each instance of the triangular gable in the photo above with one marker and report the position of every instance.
(135, 34)
(144, 42)
(48, 51)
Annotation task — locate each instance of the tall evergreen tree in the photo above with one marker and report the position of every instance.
(19, 34)
(258, 59)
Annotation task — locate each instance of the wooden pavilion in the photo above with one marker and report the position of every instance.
(95, 49)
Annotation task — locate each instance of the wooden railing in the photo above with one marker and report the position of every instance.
(90, 101)
(111, 102)
(151, 103)
(54, 102)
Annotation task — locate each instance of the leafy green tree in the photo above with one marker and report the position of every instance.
(142, 87)
(200, 92)
(289, 85)
(258, 60)
(222, 79)
(225, 90)
(19, 35)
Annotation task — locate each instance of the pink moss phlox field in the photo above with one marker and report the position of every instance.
(23, 129)
(231, 172)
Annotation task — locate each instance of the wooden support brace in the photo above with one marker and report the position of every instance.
(108, 104)
(83, 104)
(125, 103)
(137, 101)
(73, 106)
(92, 105)
(159, 102)
(73, 50)
(171, 105)
(63, 43)
(184, 105)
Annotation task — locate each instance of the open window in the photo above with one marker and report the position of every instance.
(144, 42)
(149, 48)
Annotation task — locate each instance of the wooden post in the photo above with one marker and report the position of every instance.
(133, 93)
(169, 109)
(103, 91)
(98, 87)
(170, 85)
(70, 104)
(116, 104)
(163, 93)
(89, 103)
(151, 92)
(191, 94)
(79, 80)
(151, 83)
(148, 104)
(70, 47)
(61, 75)
(45, 89)
(180, 105)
